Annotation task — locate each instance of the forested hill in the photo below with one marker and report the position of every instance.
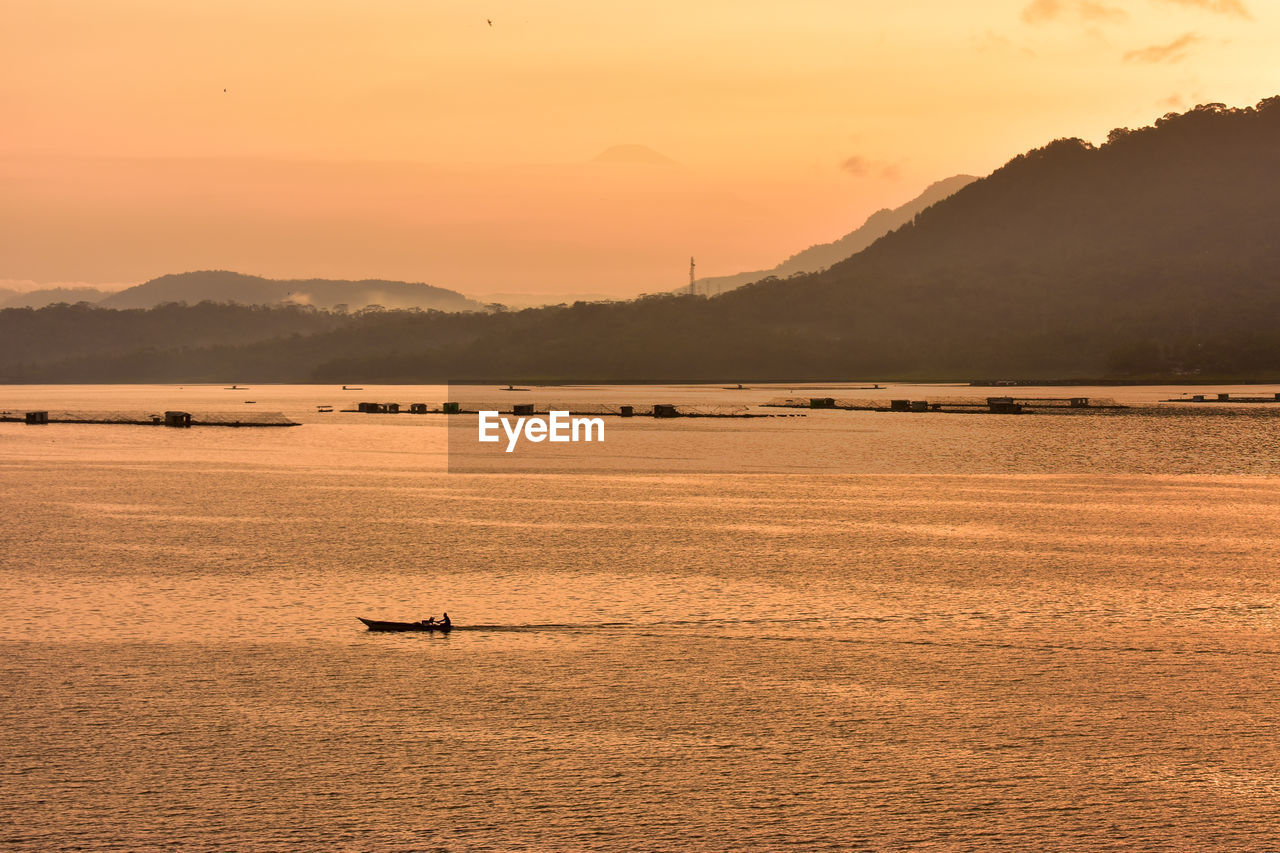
(823, 255)
(226, 286)
(1156, 253)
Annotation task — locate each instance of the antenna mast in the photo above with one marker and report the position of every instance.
(691, 287)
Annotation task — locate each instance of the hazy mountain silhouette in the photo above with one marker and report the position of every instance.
(49, 296)
(223, 286)
(1154, 254)
(823, 255)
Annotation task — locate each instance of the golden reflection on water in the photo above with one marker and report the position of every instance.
(1053, 659)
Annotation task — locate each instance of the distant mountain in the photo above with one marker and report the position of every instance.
(819, 257)
(1153, 255)
(49, 296)
(223, 286)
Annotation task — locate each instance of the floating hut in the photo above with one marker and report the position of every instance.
(579, 409)
(168, 418)
(990, 405)
(1221, 397)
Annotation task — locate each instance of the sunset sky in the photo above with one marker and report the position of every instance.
(459, 143)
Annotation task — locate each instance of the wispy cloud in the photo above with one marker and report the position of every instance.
(865, 167)
(1043, 11)
(1222, 7)
(1098, 13)
(1174, 51)
(857, 166)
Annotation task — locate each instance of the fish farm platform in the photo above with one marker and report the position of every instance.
(1224, 398)
(988, 405)
(170, 418)
(656, 410)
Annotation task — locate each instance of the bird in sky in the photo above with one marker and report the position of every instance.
(489, 21)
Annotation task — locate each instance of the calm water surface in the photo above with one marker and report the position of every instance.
(982, 632)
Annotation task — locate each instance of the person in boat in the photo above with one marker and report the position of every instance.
(430, 620)
(445, 621)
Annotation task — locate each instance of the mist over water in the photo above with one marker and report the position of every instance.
(981, 632)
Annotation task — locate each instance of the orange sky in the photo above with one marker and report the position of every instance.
(411, 139)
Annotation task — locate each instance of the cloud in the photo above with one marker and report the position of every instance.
(1094, 11)
(857, 166)
(863, 167)
(1042, 11)
(1222, 7)
(1099, 13)
(891, 171)
(1174, 51)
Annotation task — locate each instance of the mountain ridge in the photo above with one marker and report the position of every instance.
(822, 255)
(43, 296)
(1153, 254)
(227, 286)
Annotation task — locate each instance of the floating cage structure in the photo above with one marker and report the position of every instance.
(575, 408)
(992, 405)
(622, 410)
(1221, 397)
(143, 418)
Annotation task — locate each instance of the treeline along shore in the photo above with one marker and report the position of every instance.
(235, 343)
(1153, 256)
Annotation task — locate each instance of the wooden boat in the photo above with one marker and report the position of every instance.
(377, 625)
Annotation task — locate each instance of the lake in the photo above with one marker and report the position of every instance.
(851, 630)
